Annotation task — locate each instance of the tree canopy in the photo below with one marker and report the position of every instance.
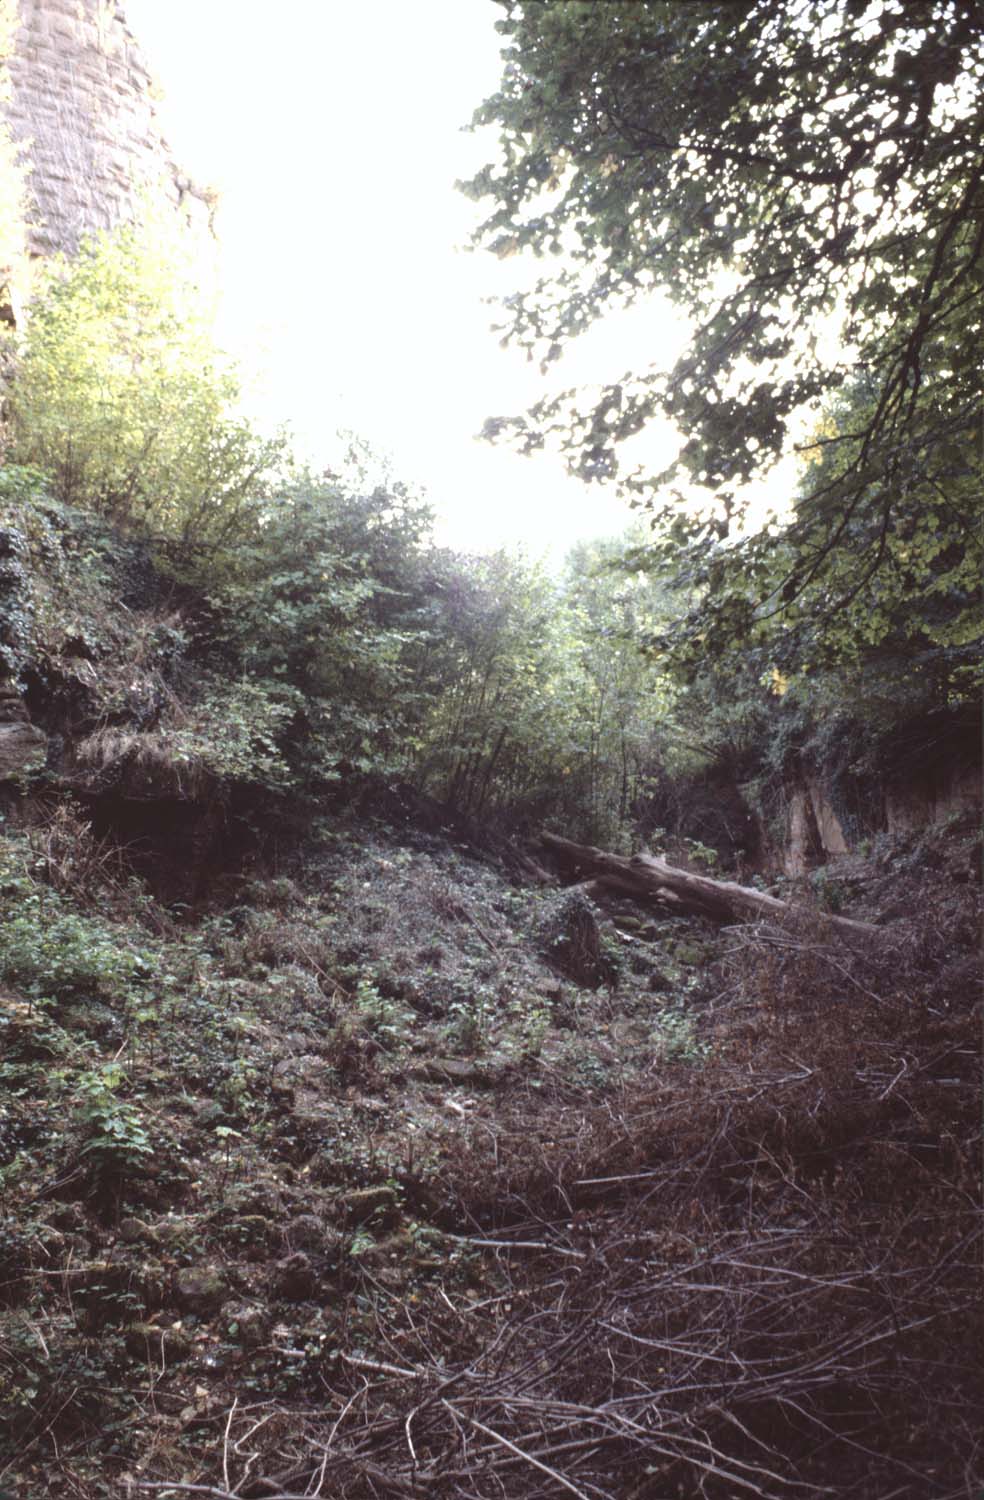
(781, 170)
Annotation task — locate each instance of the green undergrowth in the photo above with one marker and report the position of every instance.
(216, 1137)
(241, 1150)
(241, 1147)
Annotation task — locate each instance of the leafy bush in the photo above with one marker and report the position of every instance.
(115, 1138)
(314, 617)
(122, 398)
(50, 951)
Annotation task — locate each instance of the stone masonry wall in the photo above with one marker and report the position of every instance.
(82, 105)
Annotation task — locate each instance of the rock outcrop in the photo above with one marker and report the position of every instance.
(23, 746)
(82, 109)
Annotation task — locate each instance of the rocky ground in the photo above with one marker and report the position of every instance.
(361, 1145)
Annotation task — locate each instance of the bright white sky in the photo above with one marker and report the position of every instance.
(332, 129)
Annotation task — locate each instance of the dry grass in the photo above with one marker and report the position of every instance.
(147, 755)
(69, 857)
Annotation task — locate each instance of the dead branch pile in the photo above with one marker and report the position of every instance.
(651, 1371)
(759, 1277)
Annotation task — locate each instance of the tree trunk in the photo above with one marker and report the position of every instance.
(653, 882)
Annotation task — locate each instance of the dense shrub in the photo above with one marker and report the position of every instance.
(122, 398)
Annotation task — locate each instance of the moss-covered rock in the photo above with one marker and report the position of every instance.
(201, 1289)
(251, 1235)
(304, 1232)
(23, 748)
(134, 1231)
(247, 1323)
(362, 1204)
(257, 1197)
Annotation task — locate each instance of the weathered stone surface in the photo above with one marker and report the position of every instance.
(133, 1231)
(249, 1235)
(363, 1204)
(247, 1323)
(201, 1289)
(816, 835)
(13, 709)
(455, 1070)
(953, 791)
(82, 103)
(257, 1197)
(300, 1080)
(23, 748)
(304, 1232)
(308, 1068)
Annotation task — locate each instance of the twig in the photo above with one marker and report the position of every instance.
(203, 1489)
(211, 1491)
(464, 1239)
(406, 1428)
(225, 1443)
(379, 1368)
(343, 1414)
(526, 1457)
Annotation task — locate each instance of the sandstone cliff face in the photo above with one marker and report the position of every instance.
(822, 826)
(23, 746)
(82, 107)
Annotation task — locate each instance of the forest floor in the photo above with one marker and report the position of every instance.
(345, 1187)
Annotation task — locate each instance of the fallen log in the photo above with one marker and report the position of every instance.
(652, 881)
(601, 887)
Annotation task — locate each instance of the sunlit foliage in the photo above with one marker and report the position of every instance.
(122, 398)
(780, 170)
